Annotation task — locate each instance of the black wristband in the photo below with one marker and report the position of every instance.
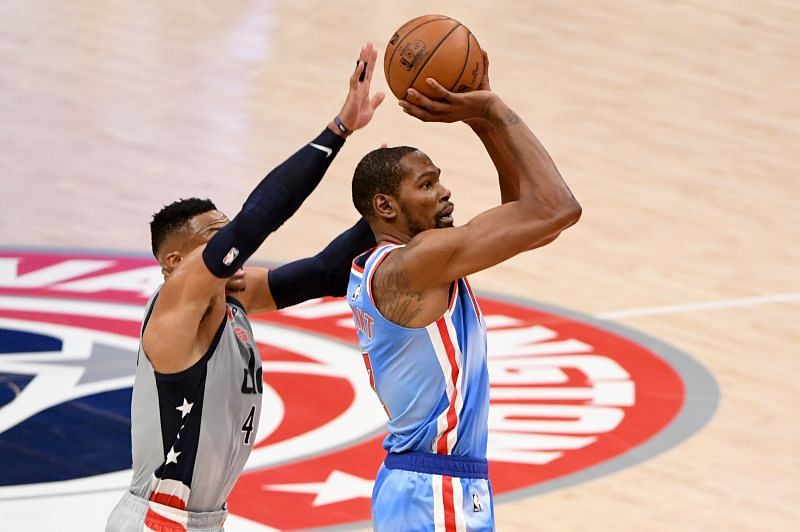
(341, 126)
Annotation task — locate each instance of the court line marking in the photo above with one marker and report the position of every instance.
(707, 305)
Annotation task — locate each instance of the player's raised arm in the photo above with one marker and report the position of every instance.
(507, 171)
(545, 206)
(198, 266)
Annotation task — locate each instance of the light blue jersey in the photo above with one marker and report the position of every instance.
(434, 385)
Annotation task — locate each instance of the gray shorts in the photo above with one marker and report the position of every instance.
(134, 514)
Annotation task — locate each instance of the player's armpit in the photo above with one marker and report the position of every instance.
(168, 343)
(173, 331)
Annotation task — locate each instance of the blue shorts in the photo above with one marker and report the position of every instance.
(430, 492)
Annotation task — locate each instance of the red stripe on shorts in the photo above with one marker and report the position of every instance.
(449, 507)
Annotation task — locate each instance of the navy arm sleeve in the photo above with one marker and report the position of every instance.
(271, 203)
(325, 274)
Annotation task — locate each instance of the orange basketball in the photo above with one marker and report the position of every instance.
(432, 46)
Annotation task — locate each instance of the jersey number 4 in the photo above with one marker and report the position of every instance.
(247, 426)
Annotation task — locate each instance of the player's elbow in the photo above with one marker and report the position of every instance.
(572, 212)
(566, 215)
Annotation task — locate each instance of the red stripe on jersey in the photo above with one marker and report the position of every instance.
(159, 523)
(168, 500)
(452, 419)
(449, 506)
(472, 297)
(454, 296)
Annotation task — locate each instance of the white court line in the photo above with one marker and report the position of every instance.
(708, 305)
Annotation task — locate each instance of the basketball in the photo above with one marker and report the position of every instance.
(433, 46)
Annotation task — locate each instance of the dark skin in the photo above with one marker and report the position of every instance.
(412, 285)
(191, 303)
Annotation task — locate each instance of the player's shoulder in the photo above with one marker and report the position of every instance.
(411, 263)
(433, 242)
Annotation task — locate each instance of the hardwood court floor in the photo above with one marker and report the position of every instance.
(677, 125)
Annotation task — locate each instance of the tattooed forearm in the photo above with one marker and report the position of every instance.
(511, 118)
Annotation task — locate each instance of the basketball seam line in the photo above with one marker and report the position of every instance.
(422, 66)
(466, 60)
(415, 28)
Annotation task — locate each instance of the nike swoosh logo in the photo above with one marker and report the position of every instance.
(324, 149)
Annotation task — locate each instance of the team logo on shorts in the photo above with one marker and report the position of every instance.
(572, 397)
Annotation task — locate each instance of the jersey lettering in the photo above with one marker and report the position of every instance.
(252, 383)
(363, 321)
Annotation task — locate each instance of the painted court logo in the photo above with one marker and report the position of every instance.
(572, 398)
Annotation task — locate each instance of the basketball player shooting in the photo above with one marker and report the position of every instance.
(197, 393)
(419, 326)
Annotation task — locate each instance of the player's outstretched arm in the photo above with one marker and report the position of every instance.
(545, 206)
(325, 274)
(187, 294)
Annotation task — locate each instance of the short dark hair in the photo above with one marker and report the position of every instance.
(174, 216)
(378, 172)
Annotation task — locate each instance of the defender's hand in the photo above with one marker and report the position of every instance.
(358, 107)
(447, 106)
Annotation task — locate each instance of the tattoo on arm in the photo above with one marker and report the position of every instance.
(397, 302)
(511, 118)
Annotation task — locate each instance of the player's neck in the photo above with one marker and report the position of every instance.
(391, 237)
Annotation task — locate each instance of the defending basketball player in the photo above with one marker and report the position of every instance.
(197, 394)
(420, 328)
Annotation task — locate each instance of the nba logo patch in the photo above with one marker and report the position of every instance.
(230, 257)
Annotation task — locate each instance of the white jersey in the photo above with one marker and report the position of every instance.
(193, 430)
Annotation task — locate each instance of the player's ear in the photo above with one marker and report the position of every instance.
(385, 206)
(171, 261)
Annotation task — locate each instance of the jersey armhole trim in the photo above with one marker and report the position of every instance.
(149, 313)
(385, 252)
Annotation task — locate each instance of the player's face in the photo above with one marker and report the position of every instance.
(424, 200)
(203, 227)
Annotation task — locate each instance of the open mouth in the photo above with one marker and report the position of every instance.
(446, 214)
